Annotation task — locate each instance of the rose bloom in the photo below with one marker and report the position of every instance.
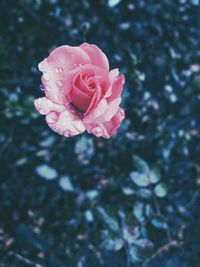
(81, 93)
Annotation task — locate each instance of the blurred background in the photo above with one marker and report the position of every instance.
(129, 201)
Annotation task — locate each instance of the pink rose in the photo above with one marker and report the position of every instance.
(81, 93)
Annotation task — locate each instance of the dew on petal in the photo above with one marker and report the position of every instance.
(97, 113)
(52, 117)
(55, 97)
(39, 100)
(46, 76)
(41, 87)
(40, 66)
(50, 103)
(42, 111)
(98, 131)
(60, 70)
(66, 113)
(59, 83)
(79, 126)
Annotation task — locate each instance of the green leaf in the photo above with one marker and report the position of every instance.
(46, 172)
(89, 216)
(140, 250)
(154, 175)
(138, 211)
(85, 146)
(113, 3)
(109, 221)
(127, 191)
(159, 223)
(144, 193)
(139, 179)
(134, 253)
(130, 232)
(21, 161)
(66, 184)
(113, 244)
(160, 190)
(141, 165)
(148, 210)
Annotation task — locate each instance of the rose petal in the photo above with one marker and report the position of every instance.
(95, 99)
(66, 124)
(112, 109)
(80, 99)
(56, 71)
(113, 125)
(117, 87)
(96, 55)
(44, 105)
(61, 119)
(96, 70)
(77, 95)
(112, 77)
(106, 129)
(97, 112)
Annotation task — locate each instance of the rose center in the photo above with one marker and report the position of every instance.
(84, 88)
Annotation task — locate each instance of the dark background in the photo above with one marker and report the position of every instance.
(77, 202)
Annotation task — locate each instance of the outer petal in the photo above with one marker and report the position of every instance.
(96, 55)
(65, 123)
(112, 77)
(56, 70)
(97, 112)
(61, 119)
(117, 83)
(44, 105)
(106, 129)
(112, 109)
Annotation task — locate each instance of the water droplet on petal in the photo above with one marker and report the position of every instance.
(46, 76)
(39, 100)
(79, 126)
(97, 113)
(50, 104)
(40, 65)
(61, 70)
(57, 70)
(42, 111)
(59, 83)
(41, 87)
(52, 117)
(66, 113)
(97, 131)
(55, 97)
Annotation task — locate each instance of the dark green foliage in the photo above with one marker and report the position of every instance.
(129, 201)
